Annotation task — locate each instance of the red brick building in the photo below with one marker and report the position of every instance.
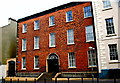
(60, 39)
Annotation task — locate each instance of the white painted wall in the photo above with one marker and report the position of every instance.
(2, 71)
(100, 14)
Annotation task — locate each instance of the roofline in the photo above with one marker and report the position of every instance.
(50, 11)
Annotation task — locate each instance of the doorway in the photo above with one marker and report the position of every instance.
(11, 68)
(53, 64)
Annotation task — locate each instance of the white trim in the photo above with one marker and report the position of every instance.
(37, 42)
(69, 61)
(23, 26)
(68, 38)
(67, 16)
(34, 63)
(22, 64)
(84, 12)
(38, 25)
(50, 41)
(23, 45)
(50, 22)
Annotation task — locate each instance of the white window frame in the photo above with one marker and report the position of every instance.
(68, 35)
(93, 59)
(51, 22)
(73, 61)
(92, 33)
(24, 28)
(67, 20)
(110, 27)
(90, 12)
(23, 63)
(36, 42)
(112, 52)
(50, 38)
(24, 44)
(36, 24)
(106, 5)
(35, 62)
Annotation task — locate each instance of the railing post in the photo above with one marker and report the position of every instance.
(44, 80)
(114, 79)
(10, 80)
(82, 80)
(18, 81)
(97, 79)
(68, 80)
(55, 80)
(34, 80)
(26, 81)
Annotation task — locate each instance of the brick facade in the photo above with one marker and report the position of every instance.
(61, 49)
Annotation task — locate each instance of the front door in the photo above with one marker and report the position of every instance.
(11, 68)
(53, 65)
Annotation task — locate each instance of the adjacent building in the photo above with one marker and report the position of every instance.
(107, 29)
(8, 35)
(60, 39)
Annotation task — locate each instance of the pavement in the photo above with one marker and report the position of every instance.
(73, 81)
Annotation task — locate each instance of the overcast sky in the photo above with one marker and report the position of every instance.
(21, 8)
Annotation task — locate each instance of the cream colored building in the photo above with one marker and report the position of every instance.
(107, 28)
(8, 35)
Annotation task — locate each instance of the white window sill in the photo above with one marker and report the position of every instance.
(113, 61)
(109, 35)
(36, 68)
(92, 66)
(90, 41)
(71, 67)
(70, 43)
(24, 50)
(36, 29)
(36, 48)
(52, 46)
(51, 25)
(88, 17)
(24, 32)
(69, 21)
(23, 69)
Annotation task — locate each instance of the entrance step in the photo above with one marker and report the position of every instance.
(47, 76)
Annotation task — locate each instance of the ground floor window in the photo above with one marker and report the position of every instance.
(24, 63)
(36, 62)
(71, 59)
(92, 58)
(113, 51)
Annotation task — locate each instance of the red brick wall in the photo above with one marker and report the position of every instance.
(60, 28)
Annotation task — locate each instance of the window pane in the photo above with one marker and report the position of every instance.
(106, 4)
(70, 36)
(24, 29)
(113, 52)
(36, 62)
(23, 44)
(110, 26)
(51, 21)
(72, 62)
(87, 11)
(23, 63)
(36, 42)
(52, 39)
(89, 33)
(36, 24)
(69, 16)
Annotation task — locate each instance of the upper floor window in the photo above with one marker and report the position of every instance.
(36, 42)
(23, 62)
(36, 25)
(106, 4)
(69, 16)
(51, 21)
(113, 51)
(36, 62)
(24, 28)
(24, 44)
(72, 61)
(92, 58)
(89, 33)
(70, 36)
(52, 40)
(110, 26)
(87, 11)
